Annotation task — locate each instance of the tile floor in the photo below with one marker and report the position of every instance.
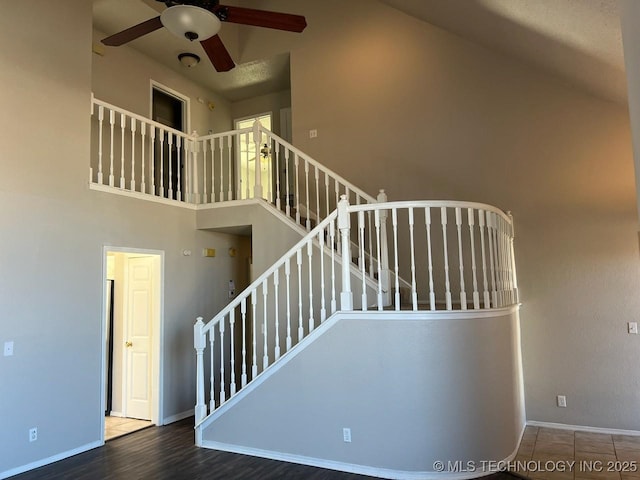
(118, 426)
(547, 454)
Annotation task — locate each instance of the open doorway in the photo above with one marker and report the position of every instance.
(132, 326)
(246, 160)
(169, 108)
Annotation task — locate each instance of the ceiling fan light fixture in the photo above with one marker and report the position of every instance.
(191, 22)
(188, 59)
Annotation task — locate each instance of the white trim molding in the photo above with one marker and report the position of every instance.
(46, 461)
(583, 428)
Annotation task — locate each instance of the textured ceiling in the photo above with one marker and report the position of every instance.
(578, 41)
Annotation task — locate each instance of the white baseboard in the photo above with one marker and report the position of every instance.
(177, 417)
(47, 461)
(583, 428)
(350, 467)
(116, 414)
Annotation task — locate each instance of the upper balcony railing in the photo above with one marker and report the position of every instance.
(135, 154)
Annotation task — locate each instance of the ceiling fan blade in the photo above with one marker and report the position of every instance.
(134, 32)
(218, 54)
(261, 18)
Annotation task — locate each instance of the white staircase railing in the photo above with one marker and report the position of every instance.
(269, 317)
(458, 255)
(135, 154)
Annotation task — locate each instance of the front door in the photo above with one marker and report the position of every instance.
(138, 336)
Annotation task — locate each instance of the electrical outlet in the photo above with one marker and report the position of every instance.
(313, 133)
(346, 435)
(33, 434)
(632, 327)
(562, 401)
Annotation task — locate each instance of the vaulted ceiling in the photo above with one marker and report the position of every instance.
(578, 41)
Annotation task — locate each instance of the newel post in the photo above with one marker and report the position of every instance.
(385, 277)
(344, 225)
(199, 342)
(257, 137)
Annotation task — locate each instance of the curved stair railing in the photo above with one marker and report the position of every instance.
(457, 255)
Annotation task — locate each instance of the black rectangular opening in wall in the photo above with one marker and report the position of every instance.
(108, 404)
(168, 110)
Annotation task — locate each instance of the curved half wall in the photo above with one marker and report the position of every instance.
(414, 388)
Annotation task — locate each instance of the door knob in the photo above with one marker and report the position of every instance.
(128, 344)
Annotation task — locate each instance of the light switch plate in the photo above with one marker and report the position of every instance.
(8, 349)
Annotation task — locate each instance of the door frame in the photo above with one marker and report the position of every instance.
(157, 344)
(186, 103)
(237, 162)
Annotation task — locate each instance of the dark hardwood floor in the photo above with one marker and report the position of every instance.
(169, 453)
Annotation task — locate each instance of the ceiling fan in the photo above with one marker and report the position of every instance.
(201, 20)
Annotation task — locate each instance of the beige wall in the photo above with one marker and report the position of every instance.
(405, 106)
(272, 102)
(123, 77)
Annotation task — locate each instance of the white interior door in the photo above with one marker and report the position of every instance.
(138, 337)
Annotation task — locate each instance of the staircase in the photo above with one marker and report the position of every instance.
(410, 264)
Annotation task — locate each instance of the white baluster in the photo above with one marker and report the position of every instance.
(276, 281)
(323, 308)
(276, 148)
(332, 238)
(363, 271)
(220, 148)
(463, 293)
(257, 136)
(232, 353)
(317, 178)
(514, 276)
(310, 284)
(100, 122)
(195, 179)
(212, 383)
(123, 122)
(344, 225)
(152, 163)
(161, 162)
(246, 137)
(370, 251)
(443, 221)
(243, 315)
(379, 258)
(287, 201)
(494, 291)
(474, 270)
(296, 162)
(265, 352)
(326, 193)
(481, 225)
(414, 289)
(199, 343)
(254, 335)
(143, 132)
(133, 155)
(223, 393)
(432, 294)
(394, 224)
(307, 204)
(179, 167)
(170, 165)
(229, 170)
(112, 121)
(287, 274)
(300, 327)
